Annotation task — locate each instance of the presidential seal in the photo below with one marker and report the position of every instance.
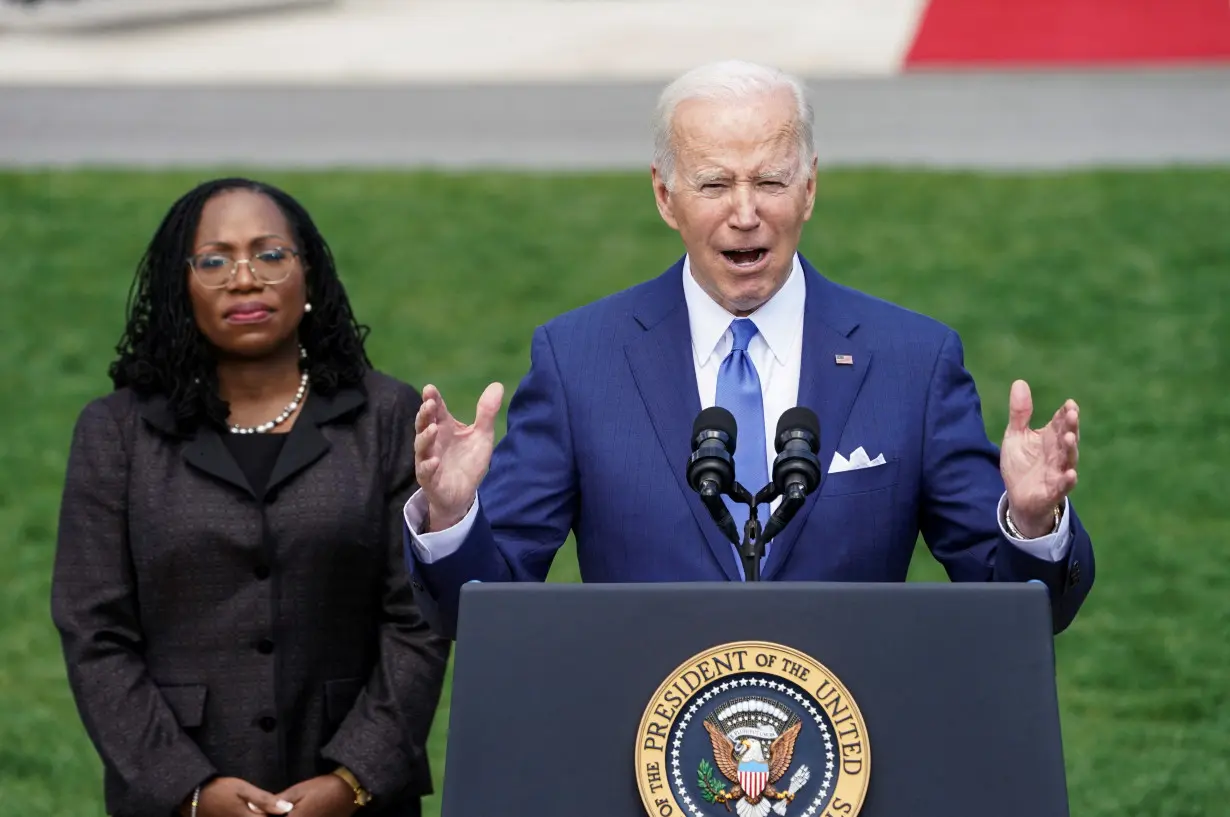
(751, 728)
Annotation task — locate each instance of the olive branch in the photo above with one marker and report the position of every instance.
(710, 786)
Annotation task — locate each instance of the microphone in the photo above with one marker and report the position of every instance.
(711, 467)
(796, 470)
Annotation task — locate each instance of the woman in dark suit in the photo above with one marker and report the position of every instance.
(239, 632)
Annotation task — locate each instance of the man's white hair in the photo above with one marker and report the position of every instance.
(734, 80)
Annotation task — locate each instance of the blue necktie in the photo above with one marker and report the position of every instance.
(738, 391)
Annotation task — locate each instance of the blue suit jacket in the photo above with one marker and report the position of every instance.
(599, 436)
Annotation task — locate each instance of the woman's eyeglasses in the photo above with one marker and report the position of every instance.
(214, 270)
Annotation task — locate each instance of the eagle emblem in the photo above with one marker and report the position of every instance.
(768, 711)
(753, 744)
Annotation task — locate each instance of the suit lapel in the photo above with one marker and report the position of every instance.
(826, 387)
(205, 450)
(661, 363)
(202, 447)
(209, 453)
(305, 443)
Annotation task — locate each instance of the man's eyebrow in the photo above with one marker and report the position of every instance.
(709, 175)
(781, 175)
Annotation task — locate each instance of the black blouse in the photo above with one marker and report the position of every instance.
(255, 454)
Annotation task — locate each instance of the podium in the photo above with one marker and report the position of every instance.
(756, 700)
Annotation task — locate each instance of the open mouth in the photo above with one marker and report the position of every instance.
(747, 257)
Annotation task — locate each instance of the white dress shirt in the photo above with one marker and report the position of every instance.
(777, 353)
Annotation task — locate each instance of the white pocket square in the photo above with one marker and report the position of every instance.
(858, 459)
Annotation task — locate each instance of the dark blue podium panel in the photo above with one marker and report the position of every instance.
(756, 700)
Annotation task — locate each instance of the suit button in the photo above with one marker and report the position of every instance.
(262, 572)
(268, 723)
(264, 646)
(1074, 575)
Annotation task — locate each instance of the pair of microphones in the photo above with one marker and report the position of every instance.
(796, 474)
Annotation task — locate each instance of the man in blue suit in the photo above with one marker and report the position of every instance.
(599, 430)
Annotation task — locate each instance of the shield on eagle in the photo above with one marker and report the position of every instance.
(753, 775)
(753, 744)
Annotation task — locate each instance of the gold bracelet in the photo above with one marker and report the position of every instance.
(361, 795)
(1016, 533)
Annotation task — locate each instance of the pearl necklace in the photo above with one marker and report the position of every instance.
(281, 418)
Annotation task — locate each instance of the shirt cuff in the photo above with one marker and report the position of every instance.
(1050, 548)
(437, 545)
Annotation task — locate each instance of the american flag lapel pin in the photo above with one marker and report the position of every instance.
(844, 360)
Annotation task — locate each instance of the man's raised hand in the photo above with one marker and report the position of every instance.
(1038, 467)
(450, 457)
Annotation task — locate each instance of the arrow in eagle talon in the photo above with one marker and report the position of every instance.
(797, 780)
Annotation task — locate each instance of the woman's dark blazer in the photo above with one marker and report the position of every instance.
(207, 630)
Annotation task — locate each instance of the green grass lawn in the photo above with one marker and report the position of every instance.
(1111, 288)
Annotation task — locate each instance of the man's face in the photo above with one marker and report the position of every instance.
(740, 195)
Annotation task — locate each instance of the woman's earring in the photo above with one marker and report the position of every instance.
(307, 307)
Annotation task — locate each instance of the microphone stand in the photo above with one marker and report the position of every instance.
(754, 540)
(752, 549)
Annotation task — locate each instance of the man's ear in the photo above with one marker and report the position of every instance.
(811, 187)
(663, 198)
